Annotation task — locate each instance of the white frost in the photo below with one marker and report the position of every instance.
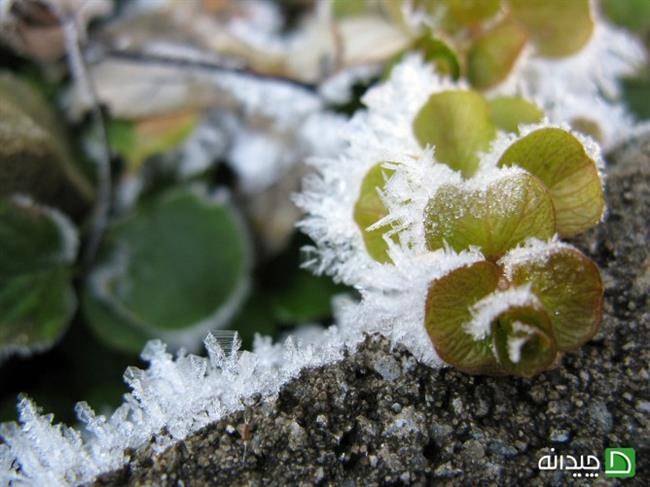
(533, 251)
(172, 398)
(382, 133)
(490, 307)
(584, 85)
(68, 236)
(516, 343)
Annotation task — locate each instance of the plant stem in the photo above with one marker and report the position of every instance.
(148, 58)
(85, 84)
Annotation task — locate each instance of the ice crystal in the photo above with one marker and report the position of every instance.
(532, 251)
(491, 306)
(172, 398)
(516, 343)
(381, 133)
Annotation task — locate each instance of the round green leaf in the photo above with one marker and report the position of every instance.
(448, 308)
(523, 341)
(37, 248)
(34, 157)
(511, 210)
(557, 27)
(493, 55)
(508, 112)
(369, 209)
(457, 123)
(559, 159)
(178, 262)
(569, 286)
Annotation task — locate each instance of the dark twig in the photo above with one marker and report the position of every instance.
(79, 72)
(147, 58)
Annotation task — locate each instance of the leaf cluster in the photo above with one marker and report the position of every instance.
(532, 296)
(483, 41)
(174, 262)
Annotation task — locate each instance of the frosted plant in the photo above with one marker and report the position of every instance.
(445, 210)
(563, 54)
(583, 88)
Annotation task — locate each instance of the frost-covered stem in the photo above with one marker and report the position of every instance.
(79, 72)
(181, 62)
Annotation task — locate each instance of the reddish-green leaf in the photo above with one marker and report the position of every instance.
(448, 306)
(569, 286)
(559, 159)
(511, 210)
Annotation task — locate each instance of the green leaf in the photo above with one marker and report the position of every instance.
(507, 213)
(635, 95)
(569, 286)
(508, 112)
(457, 123)
(588, 127)
(559, 159)
(113, 325)
(632, 14)
(179, 262)
(558, 28)
(434, 51)
(121, 136)
(137, 141)
(307, 298)
(459, 14)
(37, 248)
(439, 53)
(34, 157)
(523, 341)
(369, 209)
(493, 55)
(470, 11)
(448, 308)
(348, 8)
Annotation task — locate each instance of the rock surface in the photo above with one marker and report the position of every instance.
(380, 417)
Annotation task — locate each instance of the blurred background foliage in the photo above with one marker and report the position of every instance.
(185, 249)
